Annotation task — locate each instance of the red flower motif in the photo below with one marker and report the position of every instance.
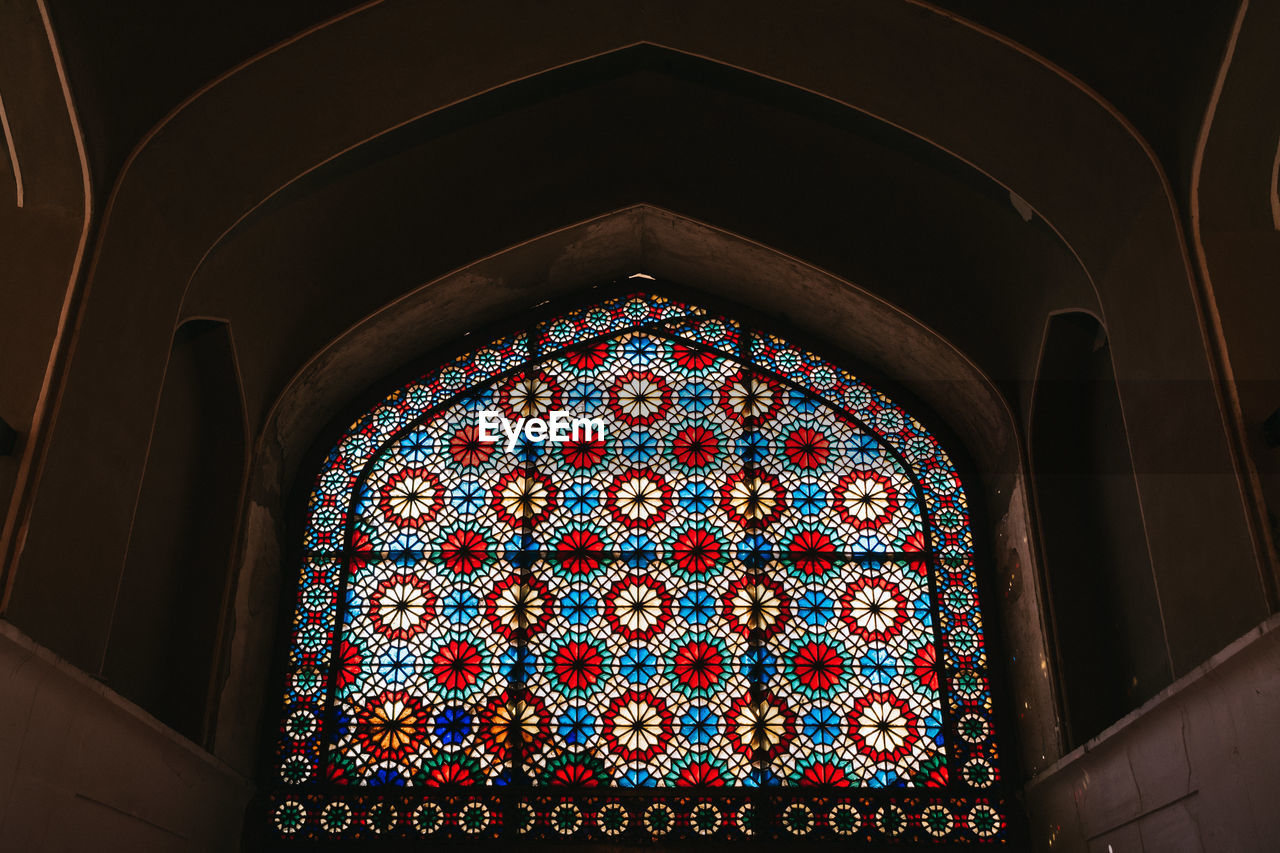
(516, 604)
(392, 725)
(915, 542)
(336, 772)
(693, 358)
(825, 773)
(807, 448)
(411, 497)
(695, 447)
(866, 498)
(583, 453)
(818, 665)
(925, 666)
(639, 397)
(402, 606)
(765, 727)
(750, 395)
(577, 773)
(527, 395)
(638, 727)
(448, 771)
(753, 499)
(698, 665)
(464, 551)
(873, 608)
(756, 604)
(639, 607)
(348, 662)
(700, 774)
(811, 550)
(521, 495)
(696, 551)
(360, 546)
(467, 449)
(578, 665)
(506, 720)
(883, 726)
(587, 356)
(582, 549)
(639, 498)
(457, 665)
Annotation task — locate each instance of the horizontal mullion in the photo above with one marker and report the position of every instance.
(782, 557)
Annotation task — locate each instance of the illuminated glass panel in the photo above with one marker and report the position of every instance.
(750, 609)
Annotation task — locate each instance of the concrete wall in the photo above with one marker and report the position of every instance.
(83, 769)
(1195, 769)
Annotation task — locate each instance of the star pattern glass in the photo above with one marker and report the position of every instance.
(750, 609)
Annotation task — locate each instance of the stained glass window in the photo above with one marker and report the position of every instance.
(749, 609)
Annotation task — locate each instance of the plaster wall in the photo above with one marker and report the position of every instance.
(83, 769)
(1195, 769)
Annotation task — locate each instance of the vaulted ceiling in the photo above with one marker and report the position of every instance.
(131, 63)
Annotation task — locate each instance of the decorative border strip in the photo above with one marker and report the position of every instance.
(660, 816)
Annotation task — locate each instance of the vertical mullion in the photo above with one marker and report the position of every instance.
(755, 570)
(517, 681)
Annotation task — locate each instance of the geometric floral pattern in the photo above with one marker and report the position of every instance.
(750, 609)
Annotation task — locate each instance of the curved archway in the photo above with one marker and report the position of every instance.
(759, 584)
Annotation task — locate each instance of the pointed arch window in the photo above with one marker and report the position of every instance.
(749, 610)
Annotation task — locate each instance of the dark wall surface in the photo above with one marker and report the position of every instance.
(167, 613)
(1104, 603)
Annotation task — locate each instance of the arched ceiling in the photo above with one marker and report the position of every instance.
(867, 160)
(133, 62)
(765, 161)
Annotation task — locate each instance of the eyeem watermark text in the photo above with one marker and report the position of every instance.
(562, 426)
